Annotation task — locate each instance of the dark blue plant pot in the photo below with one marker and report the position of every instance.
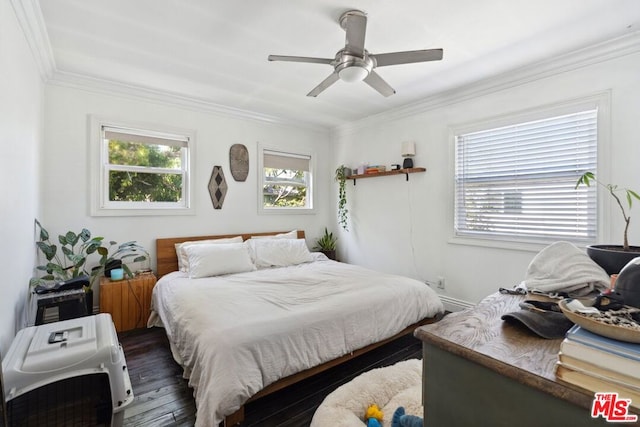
(612, 257)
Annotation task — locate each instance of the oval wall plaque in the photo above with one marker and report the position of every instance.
(239, 162)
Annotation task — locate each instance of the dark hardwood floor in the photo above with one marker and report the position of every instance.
(162, 396)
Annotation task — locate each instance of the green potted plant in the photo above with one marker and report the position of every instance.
(69, 259)
(613, 257)
(327, 244)
(343, 212)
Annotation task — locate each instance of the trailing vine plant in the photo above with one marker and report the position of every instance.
(342, 198)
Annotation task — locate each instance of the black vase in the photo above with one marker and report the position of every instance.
(88, 299)
(330, 254)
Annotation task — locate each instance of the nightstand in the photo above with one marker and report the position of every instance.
(128, 300)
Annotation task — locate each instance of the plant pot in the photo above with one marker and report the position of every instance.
(330, 254)
(88, 298)
(612, 257)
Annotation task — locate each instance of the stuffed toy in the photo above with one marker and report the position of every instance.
(401, 420)
(373, 416)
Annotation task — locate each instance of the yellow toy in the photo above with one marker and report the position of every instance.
(373, 416)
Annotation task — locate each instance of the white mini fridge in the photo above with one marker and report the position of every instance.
(67, 373)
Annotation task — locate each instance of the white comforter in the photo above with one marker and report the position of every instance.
(238, 333)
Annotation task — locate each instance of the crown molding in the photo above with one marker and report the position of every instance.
(598, 53)
(31, 21)
(136, 92)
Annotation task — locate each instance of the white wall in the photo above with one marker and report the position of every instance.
(66, 190)
(406, 227)
(21, 104)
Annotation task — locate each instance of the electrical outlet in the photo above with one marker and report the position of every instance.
(440, 282)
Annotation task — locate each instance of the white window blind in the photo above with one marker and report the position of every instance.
(145, 137)
(517, 182)
(290, 161)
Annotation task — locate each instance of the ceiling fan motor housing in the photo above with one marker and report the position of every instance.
(346, 60)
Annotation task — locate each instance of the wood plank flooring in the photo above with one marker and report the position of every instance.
(163, 398)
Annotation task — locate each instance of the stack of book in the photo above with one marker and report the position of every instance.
(600, 364)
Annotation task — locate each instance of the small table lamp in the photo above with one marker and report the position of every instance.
(408, 151)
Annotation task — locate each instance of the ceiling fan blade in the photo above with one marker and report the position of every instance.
(356, 28)
(408, 57)
(375, 81)
(300, 59)
(333, 77)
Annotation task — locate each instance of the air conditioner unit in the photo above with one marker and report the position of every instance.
(71, 372)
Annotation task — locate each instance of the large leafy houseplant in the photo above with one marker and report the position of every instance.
(68, 259)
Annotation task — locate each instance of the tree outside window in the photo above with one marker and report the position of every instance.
(286, 182)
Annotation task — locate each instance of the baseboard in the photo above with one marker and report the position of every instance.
(454, 304)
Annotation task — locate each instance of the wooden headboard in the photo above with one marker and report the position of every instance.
(167, 260)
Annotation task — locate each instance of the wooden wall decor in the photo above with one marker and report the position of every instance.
(239, 162)
(217, 187)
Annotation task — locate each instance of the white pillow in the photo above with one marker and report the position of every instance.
(183, 262)
(279, 252)
(214, 259)
(293, 234)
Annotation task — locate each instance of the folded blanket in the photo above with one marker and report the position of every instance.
(563, 267)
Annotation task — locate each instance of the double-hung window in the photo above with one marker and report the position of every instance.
(141, 171)
(286, 181)
(517, 182)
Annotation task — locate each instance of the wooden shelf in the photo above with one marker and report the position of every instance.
(405, 172)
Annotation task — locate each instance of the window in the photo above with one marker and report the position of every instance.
(286, 182)
(517, 182)
(141, 171)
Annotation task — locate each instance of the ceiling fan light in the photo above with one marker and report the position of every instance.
(354, 73)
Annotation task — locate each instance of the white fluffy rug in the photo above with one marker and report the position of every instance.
(388, 387)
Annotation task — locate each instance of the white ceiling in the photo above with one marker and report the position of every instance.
(215, 51)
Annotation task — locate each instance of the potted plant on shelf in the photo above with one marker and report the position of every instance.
(341, 177)
(613, 257)
(327, 244)
(69, 260)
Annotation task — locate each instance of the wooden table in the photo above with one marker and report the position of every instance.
(481, 370)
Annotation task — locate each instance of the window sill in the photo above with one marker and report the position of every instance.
(143, 212)
(286, 211)
(505, 244)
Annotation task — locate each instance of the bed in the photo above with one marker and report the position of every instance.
(243, 334)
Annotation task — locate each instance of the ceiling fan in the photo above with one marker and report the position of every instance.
(354, 63)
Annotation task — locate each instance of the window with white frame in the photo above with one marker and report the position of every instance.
(141, 171)
(286, 181)
(517, 182)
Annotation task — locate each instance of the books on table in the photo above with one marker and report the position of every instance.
(595, 384)
(609, 345)
(600, 364)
